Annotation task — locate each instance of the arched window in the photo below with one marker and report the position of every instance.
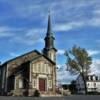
(20, 83)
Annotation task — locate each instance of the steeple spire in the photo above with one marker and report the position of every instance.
(49, 49)
(49, 30)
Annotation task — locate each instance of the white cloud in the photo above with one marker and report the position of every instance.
(7, 31)
(72, 16)
(60, 52)
(64, 76)
(95, 21)
(77, 15)
(13, 54)
(68, 26)
(95, 67)
(30, 37)
(93, 52)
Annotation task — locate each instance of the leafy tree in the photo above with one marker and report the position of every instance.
(78, 62)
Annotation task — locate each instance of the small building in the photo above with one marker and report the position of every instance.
(32, 71)
(92, 84)
(63, 89)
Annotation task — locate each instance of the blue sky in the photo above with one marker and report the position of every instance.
(23, 25)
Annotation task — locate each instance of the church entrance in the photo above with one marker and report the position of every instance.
(42, 84)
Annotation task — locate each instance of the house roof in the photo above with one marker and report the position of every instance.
(90, 78)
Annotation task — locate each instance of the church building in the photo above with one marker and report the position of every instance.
(32, 71)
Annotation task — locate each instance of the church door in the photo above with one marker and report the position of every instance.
(42, 84)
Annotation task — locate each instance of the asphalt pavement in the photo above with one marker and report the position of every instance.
(71, 97)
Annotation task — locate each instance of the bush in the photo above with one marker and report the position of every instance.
(36, 93)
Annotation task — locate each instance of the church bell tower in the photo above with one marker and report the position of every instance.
(49, 49)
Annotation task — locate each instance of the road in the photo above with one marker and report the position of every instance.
(72, 97)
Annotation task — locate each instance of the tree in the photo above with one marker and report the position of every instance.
(78, 62)
(73, 87)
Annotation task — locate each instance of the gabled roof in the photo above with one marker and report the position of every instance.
(20, 56)
(38, 53)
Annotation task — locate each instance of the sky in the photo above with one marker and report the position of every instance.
(23, 26)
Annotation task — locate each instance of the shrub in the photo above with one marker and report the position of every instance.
(36, 93)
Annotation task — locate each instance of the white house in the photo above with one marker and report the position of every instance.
(92, 84)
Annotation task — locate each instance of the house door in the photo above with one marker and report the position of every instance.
(42, 84)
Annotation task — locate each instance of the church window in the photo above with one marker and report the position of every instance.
(34, 83)
(38, 68)
(42, 68)
(50, 84)
(34, 68)
(49, 70)
(52, 56)
(20, 83)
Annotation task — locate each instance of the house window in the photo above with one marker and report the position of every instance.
(94, 84)
(88, 84)
(20, 83)
(34, 83)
